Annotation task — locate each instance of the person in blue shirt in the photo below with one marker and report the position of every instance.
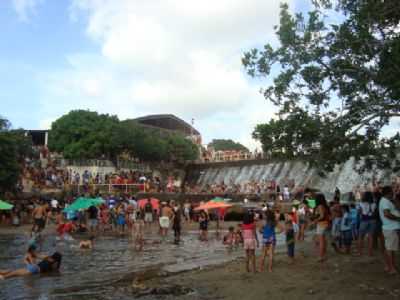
(355, 221)
(269, 240)
(346, 229)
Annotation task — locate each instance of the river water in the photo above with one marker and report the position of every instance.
(105, 271)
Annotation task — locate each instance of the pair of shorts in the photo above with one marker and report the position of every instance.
(367, 227)
(347, 237)
(336, 227)
(391, 240)
(33, 269)
(92, 222)
(203, 226)
(249, 244)
(271, 241)
(164, 222)
(148, 217)
(40, 223)
(322, 230)
(121, 221)
(290, 250)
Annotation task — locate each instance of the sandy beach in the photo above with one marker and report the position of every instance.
(340, 277)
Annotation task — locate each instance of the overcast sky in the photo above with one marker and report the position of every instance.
(135, 57)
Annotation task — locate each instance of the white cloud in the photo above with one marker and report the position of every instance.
(26, 8)
(168, 56)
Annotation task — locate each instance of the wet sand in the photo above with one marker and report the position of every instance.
(340, 277)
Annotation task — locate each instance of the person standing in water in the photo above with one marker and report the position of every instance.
(176, 224)
(165, 218)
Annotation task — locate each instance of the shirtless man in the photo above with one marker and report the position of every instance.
(165, 217)
(39, 217)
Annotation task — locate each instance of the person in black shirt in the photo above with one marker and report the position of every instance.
(93, 213)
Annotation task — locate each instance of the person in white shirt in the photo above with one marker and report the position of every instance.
(390, 217)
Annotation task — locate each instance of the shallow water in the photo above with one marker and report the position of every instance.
(106, 271)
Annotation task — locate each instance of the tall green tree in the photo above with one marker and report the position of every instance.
(341, 76)
(84, 134)
(14, 147)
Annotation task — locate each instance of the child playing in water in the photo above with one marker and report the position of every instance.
(230, 238)
(290, 240)
(269, 240)
(87, 244)
(238, 235)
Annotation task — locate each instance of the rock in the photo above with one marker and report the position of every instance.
(311, 292)
(363, 286)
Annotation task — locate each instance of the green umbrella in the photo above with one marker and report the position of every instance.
(218, 199)
(5, 206)
(311, 203)
(84, 203)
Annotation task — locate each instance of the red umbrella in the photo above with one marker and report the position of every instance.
(154, 202)
(212, 205)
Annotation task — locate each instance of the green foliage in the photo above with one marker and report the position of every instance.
(14, 146)
(221, 144)
(86, 134)
(337, 85)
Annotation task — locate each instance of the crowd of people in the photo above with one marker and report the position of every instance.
(352, 228)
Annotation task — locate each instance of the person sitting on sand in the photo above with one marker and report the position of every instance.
(87, 244)
(48, 264)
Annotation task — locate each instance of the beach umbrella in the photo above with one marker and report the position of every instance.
(218, 199)
(5, 205)
(154, 202)
(84, 203)
(311, 203)
(212, 205)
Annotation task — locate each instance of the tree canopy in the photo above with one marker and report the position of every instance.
(222, 144)
(14, 147)
(337, 84)
(82, 134)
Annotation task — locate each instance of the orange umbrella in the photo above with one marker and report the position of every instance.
(154, 202)
(212, 205)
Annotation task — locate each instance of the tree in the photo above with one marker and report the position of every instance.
(341, 77)
(222, 144)
(14, 147)
(84, 134)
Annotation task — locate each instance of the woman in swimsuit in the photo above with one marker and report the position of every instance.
(48, 264)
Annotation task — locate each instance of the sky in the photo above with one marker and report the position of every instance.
(132, 58)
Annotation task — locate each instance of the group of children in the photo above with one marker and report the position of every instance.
(246, 234)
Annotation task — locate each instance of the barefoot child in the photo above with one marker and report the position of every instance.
(269, 240)
(290, 240)
(250, 240)
(230, 238)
